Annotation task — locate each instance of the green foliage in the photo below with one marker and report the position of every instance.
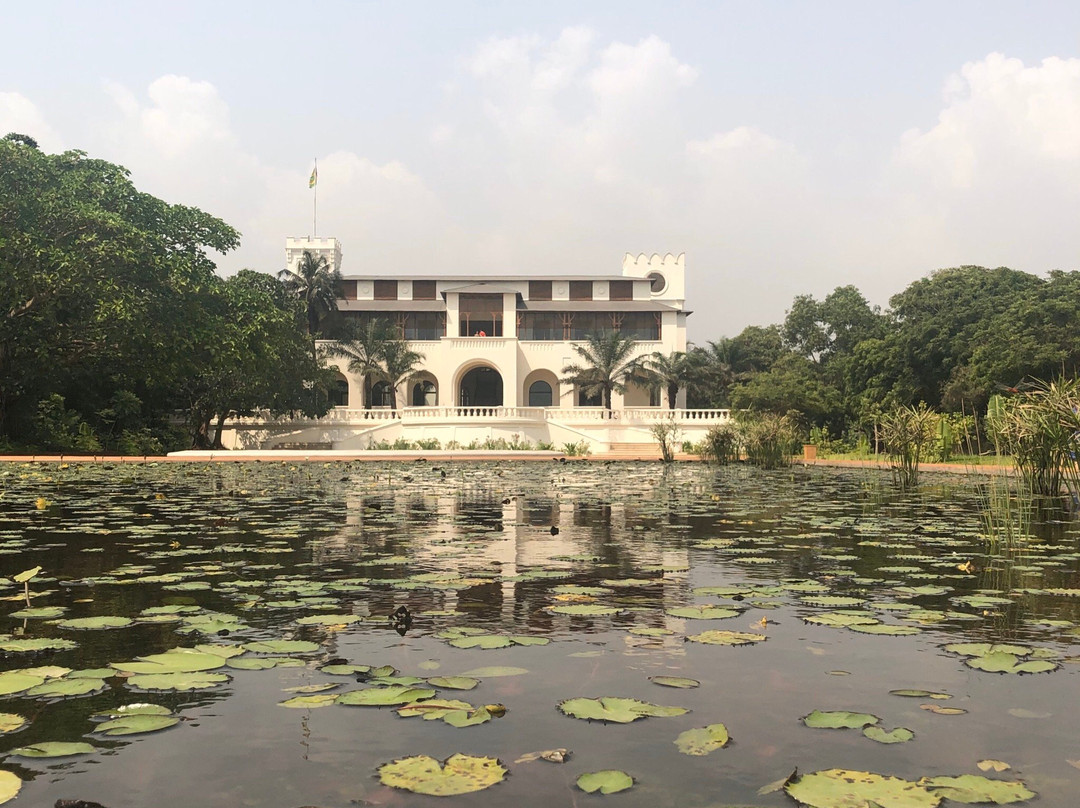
(769, 439)
(666, 432)
(907, 433)
(721, 444)
(581, 448)
(609, 364)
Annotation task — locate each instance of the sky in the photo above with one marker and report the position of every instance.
(787, 148)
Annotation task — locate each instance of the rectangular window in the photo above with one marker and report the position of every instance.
(581, 290)
(423, 290)
(541, 325)
(424, 325)
(621, 290)
(539, 290)
(386, 290)
(480, 315)
(348, 290)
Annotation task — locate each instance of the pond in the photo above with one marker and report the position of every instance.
(308, 633)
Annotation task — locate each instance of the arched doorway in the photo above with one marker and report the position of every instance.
(425, 393)
(481, 387)
(380, 395)
(339, 392)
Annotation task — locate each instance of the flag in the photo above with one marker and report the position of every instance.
(314, 179)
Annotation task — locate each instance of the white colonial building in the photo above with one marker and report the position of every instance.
(494, 348)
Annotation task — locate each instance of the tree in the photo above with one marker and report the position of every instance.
(315, 284)
(364, 347)
(610, 364)
(399, 362)
(669, 373)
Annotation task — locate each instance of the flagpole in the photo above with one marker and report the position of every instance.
(315, 211)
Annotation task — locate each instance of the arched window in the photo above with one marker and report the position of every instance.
(424, 394)
(380, 394)
(595, 400)
(540, 394)
(339, 392)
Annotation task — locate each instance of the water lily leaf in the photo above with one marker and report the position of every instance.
(485, 642)
(885, 629)
(133, 709)
(898, 735)
(11, 722)
(16, 682)
(433, 708)
(312, 688)
(198, 680)
(51, 749)
(717, 637)
(43, 612)
(9, 786)
(468, 718)
(550, 755)
(920, 694)
(974, 788)
(96, 623)
(137, 724)
(282, 647)
(617, 710)
(252, 663)
(703, 612)
(940, 710)
(841, 619)
(61, 688)
(26, 575)
(838, 719)
(495, 671)
(674, 681)
(305, 702)
(832, 600)
(841, 788)
(460, 774)
(37, 644)
(650, 631)
(328, 620)
(345, 670)
(996, 765)
(453, 682)
(90, 673)
(1000, 662)
(224, 651)
(177, 660)
(977, 649)
(583, 609)
(384, 696)
(703, 740)
(609, 781)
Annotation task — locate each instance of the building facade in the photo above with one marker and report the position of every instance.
(494, 349)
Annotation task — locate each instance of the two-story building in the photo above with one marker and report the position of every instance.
(494, 350)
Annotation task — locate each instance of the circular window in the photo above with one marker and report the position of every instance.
(659, 283)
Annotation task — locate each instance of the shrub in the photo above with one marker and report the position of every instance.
(721, 444)
(768, 438)
(907, 433)
(429, 444)
(139, 442)
(666, 433)
(580, 449)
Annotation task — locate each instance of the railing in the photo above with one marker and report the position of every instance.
(473, 343)
(629, 416)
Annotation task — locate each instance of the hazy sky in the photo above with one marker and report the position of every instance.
(786, 148)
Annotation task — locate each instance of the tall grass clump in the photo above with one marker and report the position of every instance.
(907, 433)
(1040, 428)
(769, 439)
(721, 444)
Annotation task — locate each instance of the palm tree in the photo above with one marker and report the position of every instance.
(610, 365)
(670, 373)
(399, 362)
(315, 284)
(364, 348)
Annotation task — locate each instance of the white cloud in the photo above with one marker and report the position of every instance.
(19, 114)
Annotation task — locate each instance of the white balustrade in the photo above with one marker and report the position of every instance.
(629, 416)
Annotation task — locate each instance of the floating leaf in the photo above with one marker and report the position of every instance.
(133, 709)
(617, 710)
(841, 619)
(11, 722)
(974, 788)
(486, 642)
(16, 682)
(26, 575)
(62, 688)
(940, 710)
(96, 623)
(584, 609)
(317, 700)
(838, 719)
(703, 740)
(384, 696)
(716, 637)
(495, 672)
(609, 781)
(177, 660)
(460, 774)
(9, 786)
(898, 735)
(51, 749)
(550, 755)
(841, 788)
(345, 670)
(37, 644)
(136, 724)
(433, 708)
(920, 694)
(996, 765)
(885, 629)
(703, 612)
(674, 681)
(39, 612)
(468, 718)
(453, 682)
(328, 620)
(1000, 662)
(199, 680)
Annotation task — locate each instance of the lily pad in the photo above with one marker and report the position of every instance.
(133, 709)
(9, 786)
(39, 612)
(37, 644)
(920, 694)
(841, 788)
(584, 609)
(616, 710)
(308, 702)
(137, 724)
(838, 719)
(16, 682)
(609, 781)
(453, 682)
(495, 672)
(674, 681)
(51, 749)
(96, 623)
(177, 660)
(63, 688)
(384, 696)
(198, 680)
(973, 788)
(282, 647)
(460, 774)
(703, 740)
(898, 735)
(11, 722)
(717, 637)
(999, 662)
